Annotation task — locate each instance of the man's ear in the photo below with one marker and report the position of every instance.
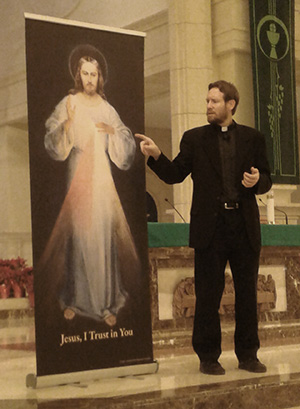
(231, 104)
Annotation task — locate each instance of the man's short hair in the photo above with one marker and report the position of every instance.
(229, 91)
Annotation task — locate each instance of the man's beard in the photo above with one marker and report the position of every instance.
(217, 120)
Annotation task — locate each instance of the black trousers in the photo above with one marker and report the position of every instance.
(230, 243)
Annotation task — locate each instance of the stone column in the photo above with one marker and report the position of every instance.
(232, 52)
(15, 221)
(190, 72)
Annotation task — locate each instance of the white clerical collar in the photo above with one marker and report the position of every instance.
(224, 128)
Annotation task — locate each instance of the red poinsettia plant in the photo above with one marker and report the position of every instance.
(16, 271)
(5, 274)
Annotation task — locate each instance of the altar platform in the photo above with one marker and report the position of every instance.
(177, 384)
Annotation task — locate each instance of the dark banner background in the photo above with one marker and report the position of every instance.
(272, 40)
(48, 46)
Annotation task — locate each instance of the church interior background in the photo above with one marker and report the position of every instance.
(188, 44)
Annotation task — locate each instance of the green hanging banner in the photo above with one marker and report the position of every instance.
(272, 41)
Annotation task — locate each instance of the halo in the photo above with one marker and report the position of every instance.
(87, 50)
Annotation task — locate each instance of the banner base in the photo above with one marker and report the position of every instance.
(34, 381)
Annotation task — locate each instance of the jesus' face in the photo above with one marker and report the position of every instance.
(89, 77)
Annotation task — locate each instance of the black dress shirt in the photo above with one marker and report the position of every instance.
(227, 145)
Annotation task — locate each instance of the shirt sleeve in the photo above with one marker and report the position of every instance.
(178, 169)
(264, 183)
(59, 142)
(121, 145)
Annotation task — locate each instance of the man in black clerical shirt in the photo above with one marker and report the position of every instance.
(228, 165)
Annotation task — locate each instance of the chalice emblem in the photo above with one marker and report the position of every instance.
(273, 38)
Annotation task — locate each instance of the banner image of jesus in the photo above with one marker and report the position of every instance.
(91, 226)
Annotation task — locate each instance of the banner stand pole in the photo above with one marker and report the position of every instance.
(35, 382)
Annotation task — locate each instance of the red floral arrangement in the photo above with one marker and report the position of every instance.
(15, 273)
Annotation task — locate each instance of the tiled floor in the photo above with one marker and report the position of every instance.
(176, 372)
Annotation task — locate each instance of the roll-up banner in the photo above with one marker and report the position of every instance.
(85, 87)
